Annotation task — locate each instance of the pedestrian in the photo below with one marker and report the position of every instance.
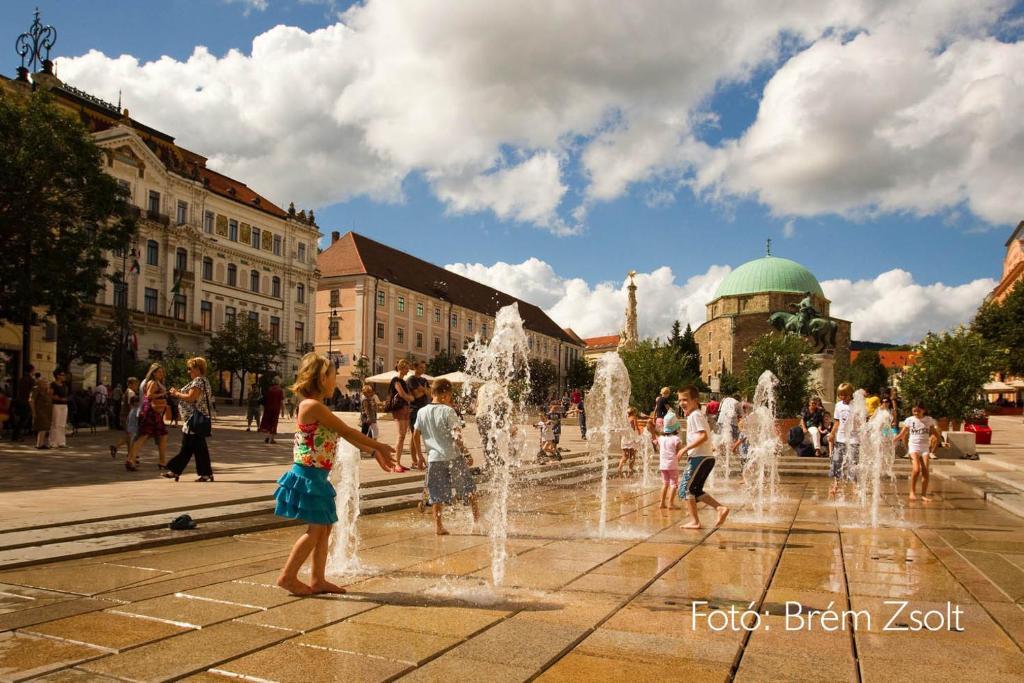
(556, 431)
(700, 460)
(22, 408)
(61, 395)
(368, 412)
(669, 448)
(448, 460)
(41, 402)
(128, 398)
(871, 400)
(581, 417)
(253, 401)
(811, 418)
(116, 401)
(198, 419)
(272, 402)
(399, 400)
(661, 406)
(630, 442)
(99, 404)
(304, 492)
(151, 417)
(843, 440)
(419, 387)
(922, 436)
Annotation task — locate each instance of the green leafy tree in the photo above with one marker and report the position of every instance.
(728, 384)
(174, 363)
(543, 378)
(790, 359)
(580, 375)
(949, 373)
(690, 352)
(651, 366)
(1001, 324)
(360, 371)
(60, 213)
(445, 362)
(241, 347)
(675, 337)
(867, 371)
(79, 339)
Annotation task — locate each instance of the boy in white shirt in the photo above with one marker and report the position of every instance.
(843, 440)
(547, 437)
(700, 460)
(923, 436)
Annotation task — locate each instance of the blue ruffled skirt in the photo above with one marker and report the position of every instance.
(305, 493)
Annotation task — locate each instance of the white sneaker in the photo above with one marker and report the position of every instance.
(932, 456)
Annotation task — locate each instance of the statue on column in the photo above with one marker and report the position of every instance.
(630, 337)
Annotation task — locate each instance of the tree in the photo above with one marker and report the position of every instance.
(543, 376)
(59, 216)
(79, 339)
(445, 362)
(790, 359)
(728, 384)
(360, 371)
(241, 348)
(580, 375)
(1000, 324)
(675, 337)
(652, 366)
(949, 373)
(867, 371)
(174, 363)
(690, 351)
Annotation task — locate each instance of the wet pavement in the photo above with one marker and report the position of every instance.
(936, 592)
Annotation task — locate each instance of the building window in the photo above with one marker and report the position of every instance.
(275, 287)
(437, 314)
(277, 245)
(437, 344)
(419, 310)
(150, 302)
(179, 306)
(380, 298)
(302, 252)
(152, 253)
(229, 315)
(332, 329)
(233, 230)
(483, 330)
(401, 304)
(255, 237)
(300, 335)
(469, 325)
(181, 260)
(719, 354)
(531, 343)
(419, 340)
(254, 317)
(545, 347)
(206, 315)
(207, 268)
(455, 320)
(120, 294)
(254, 280)
(232, 275)
(380, 330)
(400, 335)
(300, 294)
(154, 203)
(335, 298)
(208, 222)
(275, 328)
(182, 212)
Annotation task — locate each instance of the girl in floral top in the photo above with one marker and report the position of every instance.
(304, 491)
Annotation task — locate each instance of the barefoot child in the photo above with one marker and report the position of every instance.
(448, 460)
(700, 461)
(923, 437)
(547, 438)
(630, 440)
(304, 492)
(669, 448)
(842, 440)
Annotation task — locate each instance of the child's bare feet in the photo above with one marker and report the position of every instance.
(925, 498)
(690, 525)
(326, 586)
(723, 512)
(294, 586)
(911, 496)
(833, 491)
(673, 507)
(441, 531)
(662, 506)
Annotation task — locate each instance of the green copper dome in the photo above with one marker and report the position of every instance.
(769, 274)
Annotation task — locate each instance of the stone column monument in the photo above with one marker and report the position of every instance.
(629, 337)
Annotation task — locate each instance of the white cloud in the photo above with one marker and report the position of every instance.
(250, 5)
(789, 229)
(495, 102)
(891, 307)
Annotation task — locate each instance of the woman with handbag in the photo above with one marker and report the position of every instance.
(399, 399)
(151, 417)
(194, 400)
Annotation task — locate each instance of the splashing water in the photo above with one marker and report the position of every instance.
(852, 432)
(606, 407)
(761, 471)
(344, 542)
(877, 457)
(724, 436)
(646, 453)
(503, 365)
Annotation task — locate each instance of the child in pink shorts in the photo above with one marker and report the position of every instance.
(669, 447)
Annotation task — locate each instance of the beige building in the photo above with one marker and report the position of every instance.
(380, 303)
(208, 247)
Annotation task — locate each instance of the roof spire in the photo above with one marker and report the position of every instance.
(768, 247)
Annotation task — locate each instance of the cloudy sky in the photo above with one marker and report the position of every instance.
(549, 146)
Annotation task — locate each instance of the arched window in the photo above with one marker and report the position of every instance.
(254, 280)
(232, 275)
(275, 287)
(300, 294)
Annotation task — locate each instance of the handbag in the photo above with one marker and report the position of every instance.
(198, 423)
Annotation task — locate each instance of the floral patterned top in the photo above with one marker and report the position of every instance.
(315, 446)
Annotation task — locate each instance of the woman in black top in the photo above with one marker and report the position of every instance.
(420, 390)
(399, 398)
(58, 424)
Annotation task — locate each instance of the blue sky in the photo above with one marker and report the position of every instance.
(657, 221)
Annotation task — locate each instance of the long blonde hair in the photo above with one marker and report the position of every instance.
(311, 379)
(151, 374)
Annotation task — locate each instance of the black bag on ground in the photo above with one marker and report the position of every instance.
(183, 523)
(796, 436)
(805, 450)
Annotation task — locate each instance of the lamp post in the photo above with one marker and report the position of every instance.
(331, 331)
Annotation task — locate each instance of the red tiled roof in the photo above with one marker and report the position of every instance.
(355, 254)
(598, 342)
(891, 359)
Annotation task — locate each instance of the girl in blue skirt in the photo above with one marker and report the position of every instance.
(304, 492)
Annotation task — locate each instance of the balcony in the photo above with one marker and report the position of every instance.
(187, 277)
(157, 217)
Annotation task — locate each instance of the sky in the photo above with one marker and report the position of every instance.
(547, 147)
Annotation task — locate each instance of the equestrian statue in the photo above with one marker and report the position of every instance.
(804, 320)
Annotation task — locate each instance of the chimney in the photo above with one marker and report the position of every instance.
(335, 236)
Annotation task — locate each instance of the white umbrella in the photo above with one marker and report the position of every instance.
(998, 388)
(459, 377)
(386, 377)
